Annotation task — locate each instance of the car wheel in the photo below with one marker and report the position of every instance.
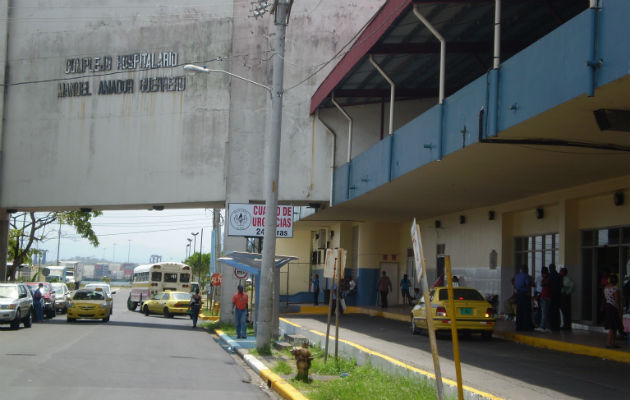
(106, 319)
(166, 313)
(145, 309)
(131, 305)
(486, 335)
(15, 324)
(414, 328)
(28, 321)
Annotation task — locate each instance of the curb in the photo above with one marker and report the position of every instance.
(364, 355)
(274, 381)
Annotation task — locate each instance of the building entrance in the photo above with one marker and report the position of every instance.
(604, 253)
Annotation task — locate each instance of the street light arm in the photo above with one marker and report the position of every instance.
(196, 68)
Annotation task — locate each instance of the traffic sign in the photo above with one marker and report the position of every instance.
(215, 280)
(240, 274)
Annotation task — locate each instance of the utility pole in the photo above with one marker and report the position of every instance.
(194, 248)
(200, 251)
(58, 242)
(280, 9)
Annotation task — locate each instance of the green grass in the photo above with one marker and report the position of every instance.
(282, 367)
(228, 329)
(368, 383)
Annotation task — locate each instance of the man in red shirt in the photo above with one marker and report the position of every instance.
(239, 309)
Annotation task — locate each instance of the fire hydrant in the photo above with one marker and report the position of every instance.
(303, 360)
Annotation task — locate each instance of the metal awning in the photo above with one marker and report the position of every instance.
(250, 262)
(409, 53)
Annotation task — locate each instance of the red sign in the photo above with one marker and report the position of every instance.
(240, 274)
(215, 280)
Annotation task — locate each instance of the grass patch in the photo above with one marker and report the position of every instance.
(282, 368)
(228, 329)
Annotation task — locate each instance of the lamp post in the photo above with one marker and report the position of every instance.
(194, 244)
(281, 10)
(188, 247)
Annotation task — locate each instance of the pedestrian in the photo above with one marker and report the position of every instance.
(522, 284)
(239, 309)
(405, 283)
(195, 307)
(315, 287)
(556, 297)
(384, 285)
(545, 303)
(612, 311)
(37, 304)
(565, 302)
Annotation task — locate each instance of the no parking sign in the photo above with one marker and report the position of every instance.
(240, 274)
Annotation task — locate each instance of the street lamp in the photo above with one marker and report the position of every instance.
(188, 247)
(271, 171)
(194, 243)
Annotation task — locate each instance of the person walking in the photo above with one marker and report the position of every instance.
(195, 307)
(522, 284)
(315, 287)
(239, 309)
(37, 304)
(405, 283)
(384, 285)
(612, 311)
(565, 301)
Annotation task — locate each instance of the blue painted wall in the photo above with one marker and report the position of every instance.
(548, 73)
(366, 286)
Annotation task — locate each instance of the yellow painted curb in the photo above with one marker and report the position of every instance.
(279, 385)
(614, 355)
(213, 318)
(409, 367)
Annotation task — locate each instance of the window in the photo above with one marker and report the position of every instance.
(462, 294)
(184, 278)
(537, 251)
(165, 296)
(170, 277)
(156, 276)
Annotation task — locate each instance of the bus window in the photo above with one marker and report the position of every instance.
(184, 278)
(170, 277)
(156, 276)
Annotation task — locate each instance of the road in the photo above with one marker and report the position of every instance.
(502, 368)
(130, 357)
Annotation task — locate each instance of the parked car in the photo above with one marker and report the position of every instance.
(61, 296)
(88, 304)
(48, 300)
(16, 305)
(473, 313)
(168, 304)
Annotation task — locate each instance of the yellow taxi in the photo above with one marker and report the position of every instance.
(473, 313)
(89, 304)
(168, 303)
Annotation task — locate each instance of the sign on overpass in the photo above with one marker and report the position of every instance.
(249, 220)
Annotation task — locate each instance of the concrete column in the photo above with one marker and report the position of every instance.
(4, 243)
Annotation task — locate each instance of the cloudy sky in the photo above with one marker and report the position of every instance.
(135, 235)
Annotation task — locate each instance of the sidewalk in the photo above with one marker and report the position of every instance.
(577, 341)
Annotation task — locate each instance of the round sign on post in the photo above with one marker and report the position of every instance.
(215, 280)
(240, 274)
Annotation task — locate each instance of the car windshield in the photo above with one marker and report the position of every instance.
(462, 294)
(8, 292)
(58, 288)
(88, 295)
(181, 296)
(93, 287)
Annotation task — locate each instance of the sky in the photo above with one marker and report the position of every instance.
(133, 236)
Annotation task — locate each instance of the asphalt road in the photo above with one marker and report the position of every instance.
(130, 357)
(502, 368)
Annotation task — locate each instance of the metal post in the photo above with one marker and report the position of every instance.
(451, 313)
(270, 183)
(329, 313)
(194, 250)
(4, 242)
(200, 251)
(58, 242)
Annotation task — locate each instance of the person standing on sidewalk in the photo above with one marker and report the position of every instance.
(556, 297)
(315, 286)
(612, 311)
(239, 309)
(405, 283)
(522, 284)
(545, 303)
(565, 302)
(384, 285)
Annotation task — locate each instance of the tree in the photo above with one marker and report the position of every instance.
(28, 227)
(193, 261)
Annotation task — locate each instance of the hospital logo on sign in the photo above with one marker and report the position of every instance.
(240, 219)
